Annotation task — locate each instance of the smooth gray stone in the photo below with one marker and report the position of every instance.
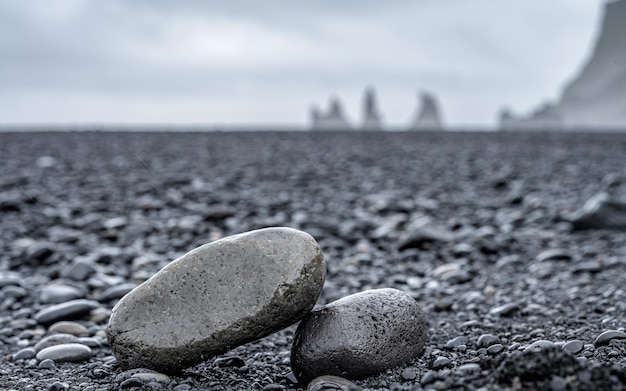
(65, 311)
(55, 294)
(359, 335)
(216, 297)
(116, 292)
(25, 354)
(55, 339)
(574, 346)
(70, 352)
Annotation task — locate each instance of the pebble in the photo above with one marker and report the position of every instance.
(606, 337)
(331, 382)
(553, 254)
(65, 311)
(116, 292)
(55, 339)
(538, 345)
(440, 362)
(574, 346)
(504, 310)
(216, 297)
(47, 364)
(79, 270)
(486, 340)
(25, 354)
(71, 352)
(359, 335)
(68, 327)
(456, 342)
(55, 294)
(495, 348)
(409, 373)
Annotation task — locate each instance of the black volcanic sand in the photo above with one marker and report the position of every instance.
(127, 203)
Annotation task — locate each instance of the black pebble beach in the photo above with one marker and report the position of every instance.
(471, 225)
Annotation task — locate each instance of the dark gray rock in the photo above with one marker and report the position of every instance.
(216, 297)
(359, 335)
(65, 311)
(600, 212)
(71, 352)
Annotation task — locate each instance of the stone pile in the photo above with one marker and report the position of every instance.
(247, 286)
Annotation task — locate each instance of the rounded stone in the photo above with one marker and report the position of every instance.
(359, 335)
(219, 296)
(70, 352)
(65, 311)
(55, 339)
(68, 327)
(55, 294)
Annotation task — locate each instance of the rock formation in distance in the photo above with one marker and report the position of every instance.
(334, 119)
(372, 119)
(428, 117)
(596, 97)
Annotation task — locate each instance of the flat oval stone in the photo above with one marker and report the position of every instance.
(55, 294)
(70, 352)
(55, 339)
(219, 296)
(359, 335)
(65, 311)
(68, 327)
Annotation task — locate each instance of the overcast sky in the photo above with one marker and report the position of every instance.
(266, 62)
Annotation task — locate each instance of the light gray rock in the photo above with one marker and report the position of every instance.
(55, 294)
(216, 297)
(359, 335)
(71, 352)
(55, 339)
